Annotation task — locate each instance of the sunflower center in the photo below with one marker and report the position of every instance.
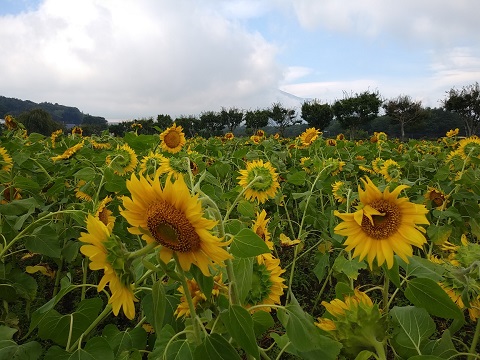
(383, 225)
(103, 216)
(170, 227)
(264, 180)
(261, 285)
(172, 139)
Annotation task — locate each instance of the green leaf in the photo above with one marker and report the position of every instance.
(25, 285)
(365, 355)
(348, 267)
(426, 293)
(124, 340)
(246, 208)
(159, 305)
(439, 233)
(6, 333)
(422, 268)
(297, 178)
(425, 357)
(85, 174)
(262, 321)
(163, 337)
(56, 327)
(413, 327)
(204, 282)
(306, 337)
(95, 349)
(239, 324)
(393, 273)
(25, 183)
(243, 270)
(323, 261)
(215, 347)
(11, 350)
(179, 350)
(44, 240)
(247, 243)
(7, 291)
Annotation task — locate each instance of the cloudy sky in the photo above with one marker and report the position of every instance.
(126, 59)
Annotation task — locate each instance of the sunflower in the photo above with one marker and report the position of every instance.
(54, 136)
(173, 167)
(6, 162)
(437, 198)
(82, 189)
(334, 165)
(67, 154)
(77, 131)
(259, 180)
(285, 241)
(377, 165)
(102, 249)
(309, 136)
(173, 139)
(150, 163)
(452, 133)
(390, 170)
(383, 225)
(356, 322)
(173, 218)
(267, 285)
(340, 137)
(260, 133)
(104, 214)
(123, 161)
(100, 145)
(260, 228)
(469, 147)
(305, 162)
(10, 122)
(339, 191)
(229, 136)
(456, 297)
(10, 193)
(255, 139)
(198, 297)
(331, 142)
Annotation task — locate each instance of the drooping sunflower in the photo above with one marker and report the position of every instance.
(260, 227)
(309, 136)
(83, 190)
(101, 249)
(173, 139)
(391, 170)
(377, 164)
(437, 198)
(100, 145)
(266, 181)
(123, 160)
(10, 122)
(6, 162)
(172, 218)
(452, 133)
(150, 163)
(67, 154)
(339, 191)
(469, 147)
(104, 214)
(456, 296)
(340, 136)
(267, 284)
(383, 225)
(173, 167)
(54, 136)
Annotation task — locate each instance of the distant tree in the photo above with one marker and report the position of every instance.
(231, 118)
(39, 121)
(316, 114)
(356, 110)
(211, 124)
(283, 117)
(256, 119)
(93, 125)
(164, 121)
(403, 110)
(466, 103)
(189, 124)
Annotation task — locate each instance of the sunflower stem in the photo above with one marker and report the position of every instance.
(386, 303)
(140, 252)
(191, 306)
(473, 346)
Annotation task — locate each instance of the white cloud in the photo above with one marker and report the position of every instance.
(135, 58)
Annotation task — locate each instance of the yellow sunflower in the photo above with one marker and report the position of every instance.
(6, 162)
(340, 137)
(150, 163)
(82, 190)
(383, 225)
(390, 170)
(437, 198)
(339, 191)
(452, 133)
(260, 133)
(123, 160)
(67, 154)
(54, 136)
(255, 139)
(377, 165)
(260, 181)
(285, 241)
(10, 122)
(456, 297)
(331, 142)
(104, 214)
(77, 131)
(173, 139)
(260, 228)
(100, 145)
(267, 285)
(173, 218)
(305, 162)
(173, 167)
(229, 136)
(469, 147)
(99, 248)
(309, 136)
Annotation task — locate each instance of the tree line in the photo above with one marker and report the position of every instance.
(356, 115)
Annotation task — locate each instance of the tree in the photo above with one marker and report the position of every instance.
(354, 111)
(466, 103)
(189, 124)
(211, 124)
(231, 118)
(39, 121)
(403, 110)
(316, 114)
(256, 119)
(283, 117)
(164, 121)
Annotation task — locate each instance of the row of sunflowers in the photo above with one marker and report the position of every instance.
(162, 247)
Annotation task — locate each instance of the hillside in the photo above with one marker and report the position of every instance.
(60, 113)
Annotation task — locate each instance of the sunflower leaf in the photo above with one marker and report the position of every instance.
(239, 323)
(246, 244)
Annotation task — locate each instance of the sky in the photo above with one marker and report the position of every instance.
(133, 59)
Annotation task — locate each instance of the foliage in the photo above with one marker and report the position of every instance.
(316, 114)
(403, 110)
(282, 117)
(39, 121)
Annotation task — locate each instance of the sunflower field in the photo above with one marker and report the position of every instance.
(262, 247)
